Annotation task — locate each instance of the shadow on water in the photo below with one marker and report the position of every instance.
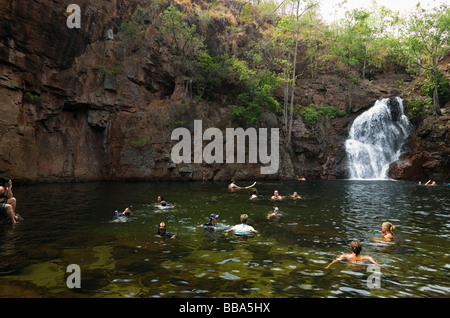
(72, 224)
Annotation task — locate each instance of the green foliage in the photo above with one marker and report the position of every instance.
(355, 42)
(212, 74)
(426, 34)
(32, 99)
(443, 87)
(417, 108)
(257, 95)
(245, 16)
(128, 29)
(426, 40)
(116, 69)
(141, 142)
(154, 5)
(139, 16)
(183, 36)
(312, 114)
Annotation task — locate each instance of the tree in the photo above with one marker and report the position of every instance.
(184, 36)
(356, 40)
(186, 41)
(427, 34)
(310, 5)
(286, 38)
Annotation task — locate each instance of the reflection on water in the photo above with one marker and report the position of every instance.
(71, 224)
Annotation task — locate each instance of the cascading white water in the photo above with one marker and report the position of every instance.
(376, 139)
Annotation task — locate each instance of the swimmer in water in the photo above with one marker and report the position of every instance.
(162, 233)
(386, 231)
(355, 257)
(275, 214)
(161, 200)
(242, 229)
(211, 225)
(126, 212)
(162, 203)
(276, 196)
(254, 195)
(233, 186)
(295, 196)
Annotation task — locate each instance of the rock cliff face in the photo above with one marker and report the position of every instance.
(428, 156)
(100, 102)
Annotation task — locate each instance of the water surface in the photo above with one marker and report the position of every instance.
(72, 224)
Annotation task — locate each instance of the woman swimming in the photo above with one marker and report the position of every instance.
(386, 231)
(355, 257)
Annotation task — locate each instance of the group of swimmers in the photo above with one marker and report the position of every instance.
(8, 207)
(243, 229)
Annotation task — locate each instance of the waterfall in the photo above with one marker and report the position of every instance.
(377, 138)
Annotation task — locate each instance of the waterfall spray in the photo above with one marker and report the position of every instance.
(377, 138)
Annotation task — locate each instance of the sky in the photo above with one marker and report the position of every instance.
(328, 7)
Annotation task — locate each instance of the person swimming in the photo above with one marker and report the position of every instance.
(386, 231)
(233, 186)
(211, 225)
(295, 196)
(242, 229)
(161, 201)
(162, 233)
(355, 257)
(276, 196)
(274, 214)
(122, 217)
(162, 204)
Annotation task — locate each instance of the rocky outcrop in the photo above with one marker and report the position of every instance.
(101, 102)
(429, 154)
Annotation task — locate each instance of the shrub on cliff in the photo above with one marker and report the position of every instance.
(443, 86)
(257, 96)
(32, 99)
(312, 113)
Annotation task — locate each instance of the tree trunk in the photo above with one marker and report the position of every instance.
(291, 113)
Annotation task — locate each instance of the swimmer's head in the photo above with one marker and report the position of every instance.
(162, 227)
(356, 247)
(388, 226)
(244, 218)
(276, 210)
(163, 203)
(214, 216)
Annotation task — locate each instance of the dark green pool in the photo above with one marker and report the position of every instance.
(71, 224)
